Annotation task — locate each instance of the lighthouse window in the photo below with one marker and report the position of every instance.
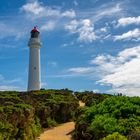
(34, 68)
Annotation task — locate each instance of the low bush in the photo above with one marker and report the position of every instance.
(23, 115)
(115, 136)
(114, 114)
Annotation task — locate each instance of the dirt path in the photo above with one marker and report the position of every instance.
(61, 132)
(81, 104)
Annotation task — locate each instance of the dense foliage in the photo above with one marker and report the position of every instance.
(23, 115)
(115, 118)
(90, 98)
(105, 117)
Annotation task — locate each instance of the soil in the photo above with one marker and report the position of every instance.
(62, 132)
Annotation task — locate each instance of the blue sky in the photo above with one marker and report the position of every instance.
(86, 44)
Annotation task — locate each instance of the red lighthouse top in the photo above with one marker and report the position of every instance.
(35, 30)
(34, 33)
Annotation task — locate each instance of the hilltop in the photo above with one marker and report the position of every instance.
(23, 115)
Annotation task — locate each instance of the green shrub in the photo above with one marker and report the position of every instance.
(114, 114)
(115, 136)
(90, 98)
(51, 122)
(23, 115)
(7, 131)
(103, 125)
(135, 134)
(36, 127)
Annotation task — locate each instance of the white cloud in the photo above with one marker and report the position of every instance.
(74, 72)
(109, 11)
(96, 91)
(53, 63)
(1, 77)
(36, 9)
(49, 26)
(68, 44)
(3, 80)
(100, 59)
(84, 28)
(10, 30)
(75, 3)
(9, 88)
(9, 84)
(130, 91)
(44, 84)
(69, 13)
(69, 75)
(104, 29)
(16, 80)
(130, 35)
(121, 71)
(72, 26)
(87, 31)
(80, 70)
(128, 20)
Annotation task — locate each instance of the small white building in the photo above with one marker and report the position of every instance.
(34, 45)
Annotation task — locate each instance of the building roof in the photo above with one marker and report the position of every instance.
(35, 29)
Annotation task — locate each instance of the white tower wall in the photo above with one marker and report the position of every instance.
(34, 64)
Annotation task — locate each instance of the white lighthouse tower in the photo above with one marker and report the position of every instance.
(34, 61)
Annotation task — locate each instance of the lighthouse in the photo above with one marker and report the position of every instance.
(34, 45)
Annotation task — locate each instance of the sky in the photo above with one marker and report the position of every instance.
(86, 44)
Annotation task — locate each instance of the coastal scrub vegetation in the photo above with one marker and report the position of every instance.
(108, 118)
(23, 115)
